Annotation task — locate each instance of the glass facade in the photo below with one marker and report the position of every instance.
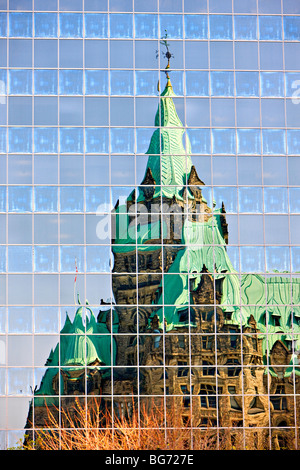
(80, 86)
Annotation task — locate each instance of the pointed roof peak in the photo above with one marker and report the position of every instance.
(168, 90)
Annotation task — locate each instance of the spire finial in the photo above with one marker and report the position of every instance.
(166, 55)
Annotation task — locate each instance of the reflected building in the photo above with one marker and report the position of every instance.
(187, 329)
(200, 274)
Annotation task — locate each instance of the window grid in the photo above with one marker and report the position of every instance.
(289, 244)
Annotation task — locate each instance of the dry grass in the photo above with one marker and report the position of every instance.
(91, 428)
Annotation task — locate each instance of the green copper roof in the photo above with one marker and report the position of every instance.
(169, 161)
(81, 343)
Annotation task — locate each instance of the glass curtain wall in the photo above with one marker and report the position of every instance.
(80, 85)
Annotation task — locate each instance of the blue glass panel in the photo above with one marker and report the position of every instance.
(3, 259)
(247, 83)
(146, 26)
(223, 112)
(96, 140)
(248, 141)
(293, 140)
(220, 27)
(273, 141)
(19, 110)
(196, 26)
(20, 25)
(46, 319)
(46, 259)
(245, 27)
(2, 199)
(45, 53)
(170, 5)
(3, 25)
(19, 140)
(195, 7)
(20, 259)
(20, 379)
(274, 171)
(122, 169)
(41, 5)
(97, 199)
(200, 141)
(71, 140)
(270, 6)
(226, 195)
(272, 84)
(45, 102)
(277, 258)
(196, 54)
(221, 54)
(270, 28)
(246, 55)
(146, 82)
(294, 196)
(292, 86)
(98, 259)
(45, 199)
(20, 53)
(172, 24)
(45, 140)
(23, 5)
(96, 82)
(177, 83)
(92, 115)
(295, 255)
(250, 199)
(234, 256)
(122, 140)
(222, 83)
(95, 25)
(121, 82)
(291, 26)
(252, 259)
(95, 5)
(207, 195)
(3, 80)
(20, 82)
(143, 137)
(45, 25)
(2, 140)
(70, 257)
(272, 112)
(71, 82)
(19, 199)
(70, 5)
(70, 25)
(197, 83)
(275, 200)
(71, 53)
(45, 82)
(121, 25)
(71, 170)
(71, 199)
(223, 141)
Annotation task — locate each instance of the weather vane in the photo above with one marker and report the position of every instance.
(167, 54)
